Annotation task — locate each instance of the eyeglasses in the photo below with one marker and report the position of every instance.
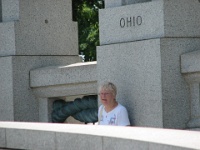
(104, 94)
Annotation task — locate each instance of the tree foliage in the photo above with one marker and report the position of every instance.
(85, 12)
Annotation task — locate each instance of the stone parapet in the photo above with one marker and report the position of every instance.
(156, 19)
(43, 136)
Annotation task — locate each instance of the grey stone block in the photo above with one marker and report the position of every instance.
(161, 18)
(46, 28)
(190, 62)
(9, 10)
(123, 144)
(78, 141)
(153, 146)
(117, 3)
(58, 75)
(2, 137)
(18, 102)
(87, 88)
(6, 89)
(30, 139)
(7, 39)
(150, 84)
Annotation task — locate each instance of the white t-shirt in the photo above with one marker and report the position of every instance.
(117, 117)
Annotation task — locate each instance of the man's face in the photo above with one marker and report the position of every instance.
(107, 97)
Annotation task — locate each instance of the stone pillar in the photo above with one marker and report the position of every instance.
(140, 49)
(33, 34)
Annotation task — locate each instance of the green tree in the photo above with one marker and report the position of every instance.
(85, 12)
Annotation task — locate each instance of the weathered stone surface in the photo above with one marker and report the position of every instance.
(150, 84)
(46, 28)
(2, 137)
(18, 102)
(117, 3)
(190, 62)
(58, 75)
(156, 19)
(9, 10)
(65, 136)
(7, 39)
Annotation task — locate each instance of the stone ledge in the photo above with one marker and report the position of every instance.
(45, 136)
(56, 81)
(190, 62)
(60, 75)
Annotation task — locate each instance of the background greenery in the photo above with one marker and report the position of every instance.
(85, 12)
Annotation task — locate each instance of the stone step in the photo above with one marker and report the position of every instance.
(9, 10)
(156, 19)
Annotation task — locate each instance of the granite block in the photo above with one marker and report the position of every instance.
(7, 39)
(9, 10)
(156, 19)
(30, 139)
(87, 88)
(46, 28)
(135, 68)
(45, 109)
(18, 99)
(190, 62)
(150, 84)
(78, 141)
(111, 143)
(117, 3)
(153, 146)
(6, 90)
(2, 137)
(58, 75)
